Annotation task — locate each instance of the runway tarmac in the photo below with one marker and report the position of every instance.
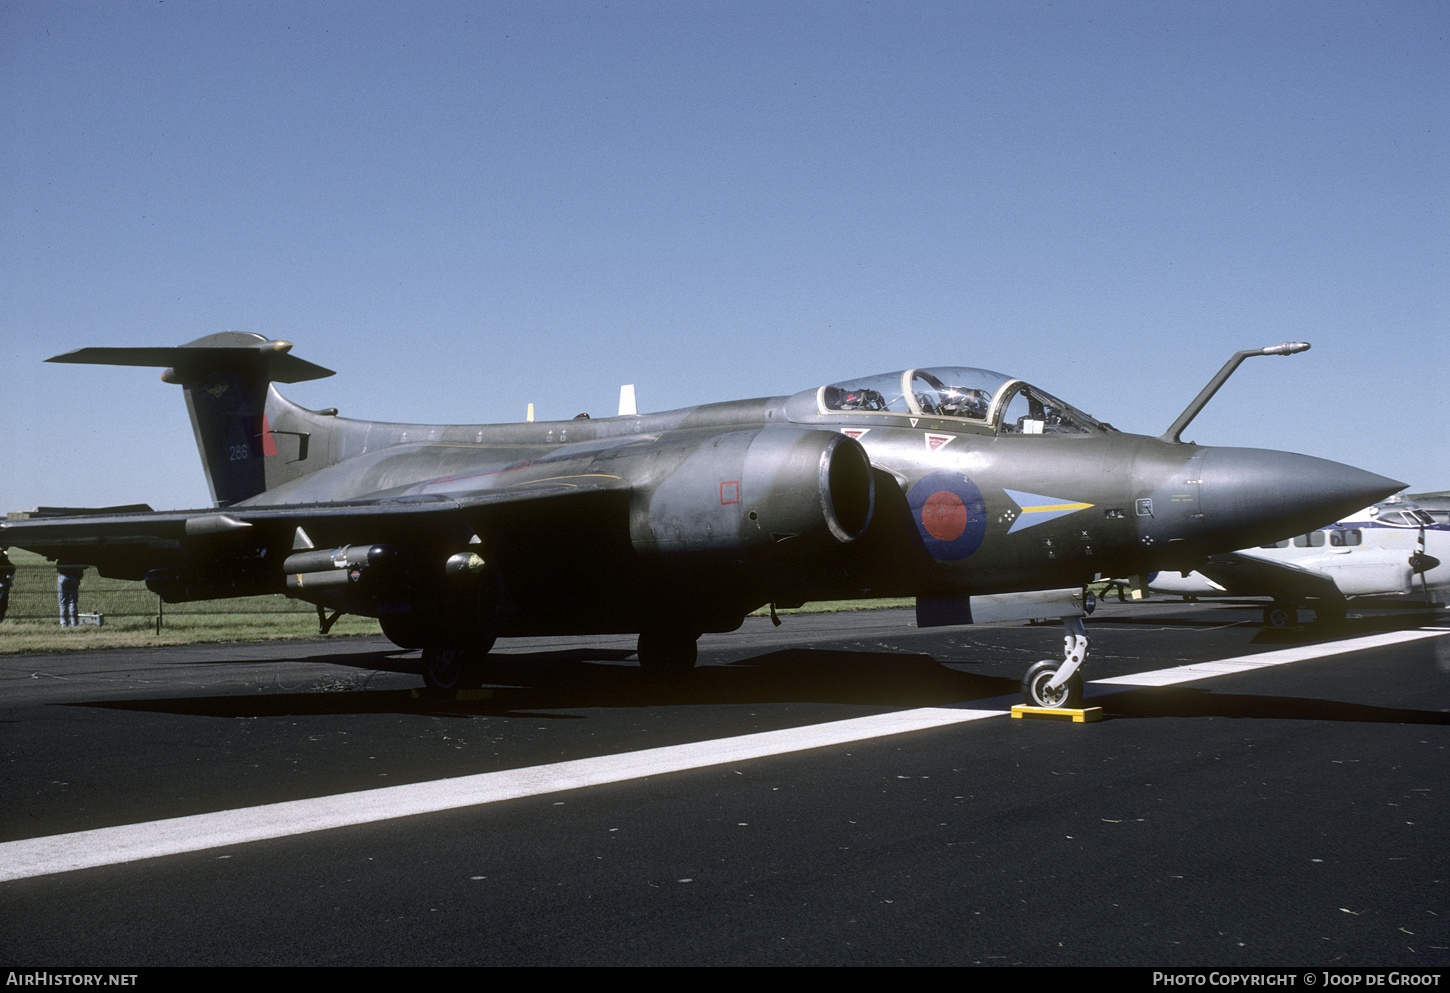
(844, 789)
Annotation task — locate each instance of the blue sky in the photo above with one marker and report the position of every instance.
(467, 207)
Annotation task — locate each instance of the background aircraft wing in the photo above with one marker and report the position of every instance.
(1242, 574)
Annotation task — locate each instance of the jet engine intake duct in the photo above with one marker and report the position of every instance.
(778, 487)
(850, 488)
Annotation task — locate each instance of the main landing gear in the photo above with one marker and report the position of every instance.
(1058, 685)
(1285, 613)
(450, 668)
(1281, 615)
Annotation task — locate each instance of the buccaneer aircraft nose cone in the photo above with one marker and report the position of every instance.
(1265, 496)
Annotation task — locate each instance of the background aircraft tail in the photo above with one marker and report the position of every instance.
(251, 438)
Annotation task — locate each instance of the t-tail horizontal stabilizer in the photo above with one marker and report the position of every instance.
(226, 377)
(229, 350)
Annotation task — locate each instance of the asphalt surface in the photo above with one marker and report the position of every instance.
(1293, 815)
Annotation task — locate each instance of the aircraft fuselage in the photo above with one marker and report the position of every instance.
(730, 506)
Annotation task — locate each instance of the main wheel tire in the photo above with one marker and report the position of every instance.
(1280, 615)
(1036, 694)
(667, 651)
(450, 669)
(443, 668)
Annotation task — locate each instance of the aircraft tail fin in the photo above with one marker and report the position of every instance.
(227, 378)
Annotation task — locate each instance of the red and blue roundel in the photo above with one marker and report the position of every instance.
(950, 515)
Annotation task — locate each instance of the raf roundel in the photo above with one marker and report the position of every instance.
(950, 515)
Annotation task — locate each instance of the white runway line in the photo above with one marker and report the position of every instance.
(132, 842)
(1247, 663)
(128, 843)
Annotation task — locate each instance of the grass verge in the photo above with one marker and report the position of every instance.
(18, 637)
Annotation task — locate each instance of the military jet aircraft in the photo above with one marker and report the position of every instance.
(964, 488)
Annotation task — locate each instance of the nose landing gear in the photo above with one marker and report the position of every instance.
(1058, 685)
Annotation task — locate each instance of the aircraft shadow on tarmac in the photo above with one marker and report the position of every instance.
(533, 684)
(527, 684)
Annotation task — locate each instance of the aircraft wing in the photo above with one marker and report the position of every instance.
(1243, 574)
(129, 545)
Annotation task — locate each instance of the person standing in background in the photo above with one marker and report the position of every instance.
(68, 592)
(7, 580)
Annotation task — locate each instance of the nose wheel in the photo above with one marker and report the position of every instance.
(1038, 691)
(1058, 685)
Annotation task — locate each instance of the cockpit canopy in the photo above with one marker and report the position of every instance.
(975, 396)
(1403, 515)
